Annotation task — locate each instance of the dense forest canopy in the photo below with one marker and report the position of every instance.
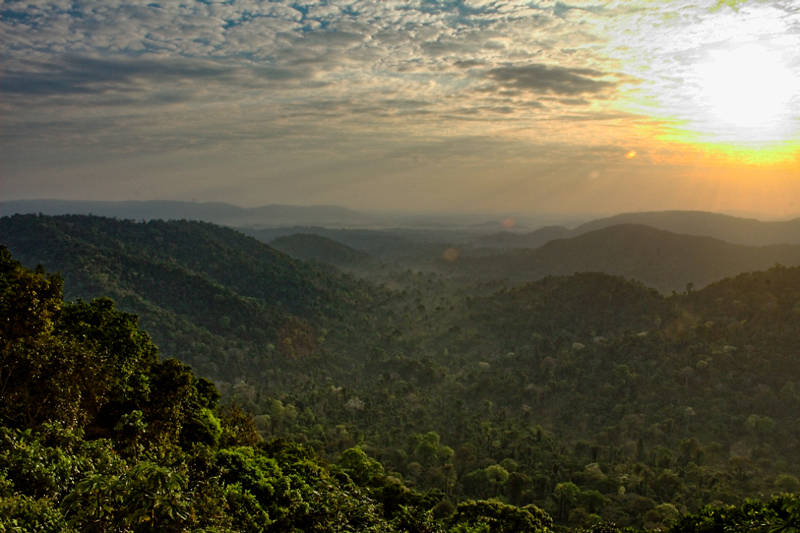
(425, 403)
(100, 434)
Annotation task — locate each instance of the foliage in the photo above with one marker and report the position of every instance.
(121, 440)
(591, 397)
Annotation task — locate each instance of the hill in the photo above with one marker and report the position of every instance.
(311, 247)
(746, 231)
(737, 230)
(209, 295)
(532, 239)
(687, 385)
(101, 434)
(660, 259)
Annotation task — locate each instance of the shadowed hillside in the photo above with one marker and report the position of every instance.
(532, 239)
(737, 230)
(661, 259)
(208, 294)
(724, 227)
(310, 247)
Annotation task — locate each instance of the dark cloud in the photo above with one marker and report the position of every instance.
(90, 75)
(573, 101)
(533, 104)
(283, 73)
(86, 75)
(551, 79)
(469, 63)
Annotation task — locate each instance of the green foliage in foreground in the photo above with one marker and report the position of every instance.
(98, 434)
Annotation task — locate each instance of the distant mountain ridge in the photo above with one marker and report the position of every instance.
(214, 212)
(266, 216)
(736, 230)
(532, 239)
(661, 259)
(479, 228)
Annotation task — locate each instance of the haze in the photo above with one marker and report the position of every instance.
(468, 105)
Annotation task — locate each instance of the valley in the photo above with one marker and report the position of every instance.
(514, 374)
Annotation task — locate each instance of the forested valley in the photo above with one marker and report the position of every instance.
(334, 389)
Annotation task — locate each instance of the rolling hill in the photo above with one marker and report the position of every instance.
(533, 239)
(736, 230)
(209, 295)
(311, 247)
(658, 258)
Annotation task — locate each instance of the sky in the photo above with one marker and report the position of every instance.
(436, 106)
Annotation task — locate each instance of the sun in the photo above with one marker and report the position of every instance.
(743, 95)
(724, 81)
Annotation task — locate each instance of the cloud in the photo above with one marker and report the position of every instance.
(552, 79)
(469, 63)
(303, 81)
(80, 74)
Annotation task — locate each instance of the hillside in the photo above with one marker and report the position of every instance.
(532, 239)
(736, 230)
(660, 259)
(691, 396)
(208, 294)
(311, 247)
(101, 434)
(746, 231)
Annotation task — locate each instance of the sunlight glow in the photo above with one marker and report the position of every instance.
(727, 82)
(744, 94)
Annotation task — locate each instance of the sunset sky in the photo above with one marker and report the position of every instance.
(468, 105)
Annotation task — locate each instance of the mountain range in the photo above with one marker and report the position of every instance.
(271, 215)
(746, 231)
(661, 259)
(215, 212)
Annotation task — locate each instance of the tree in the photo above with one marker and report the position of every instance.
(497, 476)
(565, 495)
(502, 518)
(29, 300)
(359, 466)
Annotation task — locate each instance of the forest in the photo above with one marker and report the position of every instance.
(334, 389)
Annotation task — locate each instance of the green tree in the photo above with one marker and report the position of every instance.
(566, 495)
(501, 518)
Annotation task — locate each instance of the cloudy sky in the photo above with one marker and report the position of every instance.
(451, 105)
